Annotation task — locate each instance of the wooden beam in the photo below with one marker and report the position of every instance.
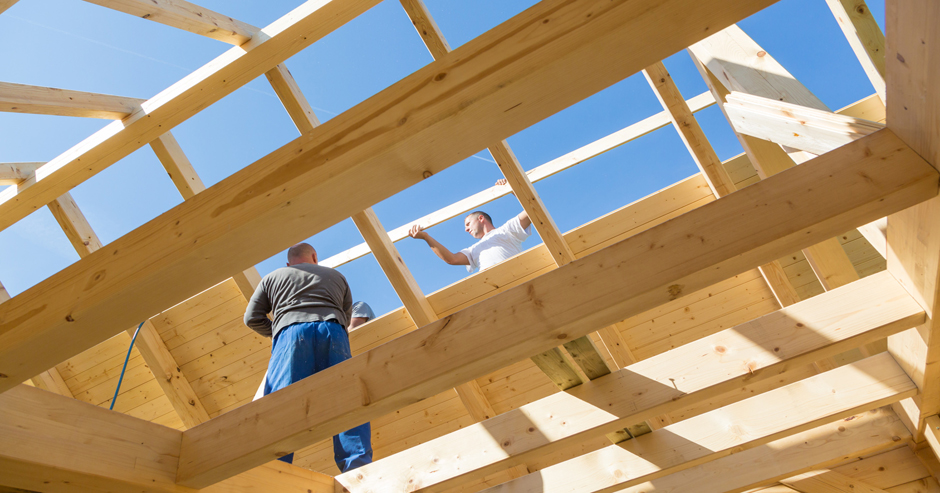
(218, 78)
(287, 90)
(932, 433)
(865, 38)
(52, 381)
(5, 4)
(685, 382)
(792, 125)
(683, 120)
(20, 98)
(416, 304)
(867, 433)
(14, 173)
(744, 425)
(186, 16)
(150, 344)
(195, 238)
(431, 34)
(828, 481)
(50, 443)
(912, 61)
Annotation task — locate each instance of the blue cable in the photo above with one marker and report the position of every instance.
(121, 378)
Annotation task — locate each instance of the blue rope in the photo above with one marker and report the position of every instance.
(121, 378)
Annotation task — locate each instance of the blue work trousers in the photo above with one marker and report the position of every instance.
(302, 349)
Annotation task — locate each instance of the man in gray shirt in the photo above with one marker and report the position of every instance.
(311, 306)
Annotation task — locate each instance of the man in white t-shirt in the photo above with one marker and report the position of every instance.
(494, 246)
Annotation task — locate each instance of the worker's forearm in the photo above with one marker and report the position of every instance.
(440, 250)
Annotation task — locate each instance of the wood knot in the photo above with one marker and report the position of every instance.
(68, 318)
(720, 349)
(761, 53)
(439, 77)
(427, 174)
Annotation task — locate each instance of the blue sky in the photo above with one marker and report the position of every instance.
(80, 46)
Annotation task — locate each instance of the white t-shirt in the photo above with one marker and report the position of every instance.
(497, 245)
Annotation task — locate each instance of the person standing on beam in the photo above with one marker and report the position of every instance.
(494, 246)
(311, 306)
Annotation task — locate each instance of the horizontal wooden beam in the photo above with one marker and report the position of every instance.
(20, 98)
(14, 173)
(687, 381)
(840, 393)
(575, 157)
(795, 126)
(236, 67)
(53, 443)
(186, 16)
(193, 241)
(865, 434)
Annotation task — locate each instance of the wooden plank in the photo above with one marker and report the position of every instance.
(913, 234)
(431, 34)
(14, 173)
(414, 300)
(865, 37)
(729, 430)
(557, 368)
(792, 125)
(49, 443)
(828, 481)
(191, 236)
(870, 432)
(74, 225)
(218, 78)
(186, 16)
(532, 318)
(21, 98)
(5, 4)
(673, 380)
(932, 433)
(294, 101)
(885, 470)
(541, 172)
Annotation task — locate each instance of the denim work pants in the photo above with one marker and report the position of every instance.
(302, 349)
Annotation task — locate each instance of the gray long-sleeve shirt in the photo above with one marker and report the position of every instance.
(299, 293)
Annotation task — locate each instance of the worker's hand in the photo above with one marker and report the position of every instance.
(417, 232)
(501, 181)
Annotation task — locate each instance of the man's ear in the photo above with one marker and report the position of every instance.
(315, 259)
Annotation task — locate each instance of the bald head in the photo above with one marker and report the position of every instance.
(301, 253)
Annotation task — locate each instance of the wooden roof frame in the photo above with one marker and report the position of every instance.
(530, 67)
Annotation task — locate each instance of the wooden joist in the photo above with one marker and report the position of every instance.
(5, 4)
(865, 37)
(194, 240)
(826, 480)
(816, 401)
(20, 98)
(14, 173)
(51, 443)
(914, 234)
(294, 101)
(218, 78)
(766, 353)
(186, 16)
(795, 209)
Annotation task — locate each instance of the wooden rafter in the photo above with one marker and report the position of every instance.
(19, 98)
(186, 16)
(534, 317)
(14, 173)
(865, 37)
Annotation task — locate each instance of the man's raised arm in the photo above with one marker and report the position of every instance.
(441, 251)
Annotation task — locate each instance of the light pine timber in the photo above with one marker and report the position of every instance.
(682, 383)
(865, 37)
(5, 4)
(913, 63)
(14, 173)
(416, 304)
(543, 171)
(795, 126)
(236, 67)
(867, 433)
(21, 98)
(150, 344)
(932, 433)
(195, 239)
(533, 317)
(186, 16)
(51, 443)
(294, 101)
(828, 481)
(720, 182)
(843, 392)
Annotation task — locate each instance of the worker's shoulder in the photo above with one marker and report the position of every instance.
(305, 270)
